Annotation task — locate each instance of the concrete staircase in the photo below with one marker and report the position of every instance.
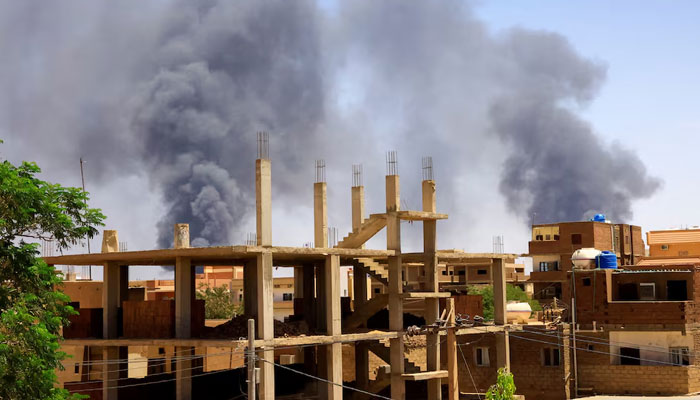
(371, 307)
(369, 228)
(382, 350)
(374, 269)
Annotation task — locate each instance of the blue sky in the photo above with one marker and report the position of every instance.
(649, 102)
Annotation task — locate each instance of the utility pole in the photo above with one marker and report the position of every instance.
(251, 359)
(82, 178)
(573, 326)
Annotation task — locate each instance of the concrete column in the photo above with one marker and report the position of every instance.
(334, 352)
(184, 295)
(266, 327)
(432, 306)
(263, 201)
(358, 207)
(320, 215)
(393, 242)
(498, 268)
(115, 287)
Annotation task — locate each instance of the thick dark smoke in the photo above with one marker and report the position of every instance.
(178, 89)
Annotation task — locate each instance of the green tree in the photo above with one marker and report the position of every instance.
(218, 303)
(513, 293)
(504, 388)
(32, 305)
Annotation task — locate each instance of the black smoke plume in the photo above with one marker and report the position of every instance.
(177, 90)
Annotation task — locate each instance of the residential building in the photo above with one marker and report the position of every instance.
(552, 246)
(674, 243)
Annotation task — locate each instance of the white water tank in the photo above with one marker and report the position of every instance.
(585, 258)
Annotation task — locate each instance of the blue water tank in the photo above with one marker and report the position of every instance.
(599, 218)
(606, 260)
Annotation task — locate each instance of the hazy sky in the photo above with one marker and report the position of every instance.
(647, 102)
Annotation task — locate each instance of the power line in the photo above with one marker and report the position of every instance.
(150, 375)
(663, 350)
(476, 389)
(324, 380)
(156, 382)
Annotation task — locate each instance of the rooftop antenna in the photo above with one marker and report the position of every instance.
(392, 163)
(263, 145)
(82, 178)
(320, 171)
(428, 168)
(356, 175)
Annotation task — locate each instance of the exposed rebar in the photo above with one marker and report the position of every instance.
(263, 145)
(428, 168)
(320, 171)
(392, 163)
(356, 175)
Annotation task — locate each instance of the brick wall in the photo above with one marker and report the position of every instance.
(635, 379)
(532, 379)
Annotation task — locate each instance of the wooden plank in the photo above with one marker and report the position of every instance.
(422, 376)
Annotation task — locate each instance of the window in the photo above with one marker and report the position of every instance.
(444, 272)
(550, 357)
(576, 238)
(539, 237)
(76, 368)
(286, 297)
(664, 247)
(679, 355)
(240, 298)
(647, 291)
(481, 356)
(547, 237)
(586, 281)
(277, 286)
(460, 272)
(377, 291)
(481, 272)
(556, 237)
(629, 356)
(549, 266)
(590, 347)
(452, 272)
(162, 350)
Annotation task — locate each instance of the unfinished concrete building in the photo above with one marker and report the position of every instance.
(317, 282)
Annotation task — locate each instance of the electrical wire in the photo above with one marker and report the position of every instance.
(324, 380)
(153, 383)
(153, 374)
(476, 389)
